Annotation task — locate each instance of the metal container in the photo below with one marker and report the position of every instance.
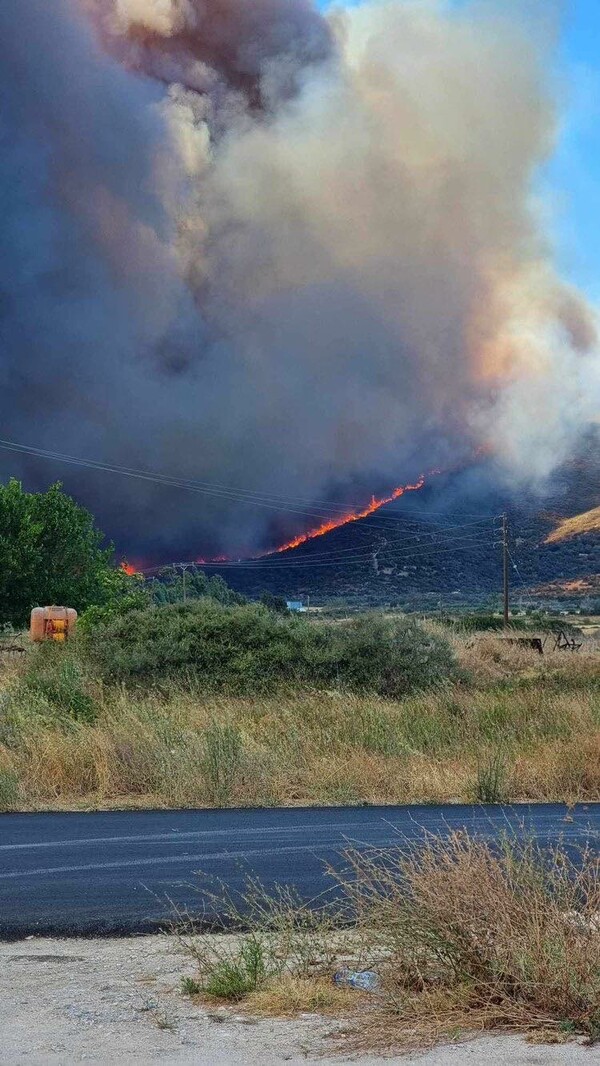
(52, 623)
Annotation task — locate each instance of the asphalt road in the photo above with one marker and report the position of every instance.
(121, 872)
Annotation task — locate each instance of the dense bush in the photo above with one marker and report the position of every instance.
(126, 593)
(274, 603)
(390, 656)
(247, 648)
(123, 593)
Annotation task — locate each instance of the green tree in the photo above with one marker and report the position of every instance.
(274, 603)
(169, 587)
(118, 594)
(50, 553)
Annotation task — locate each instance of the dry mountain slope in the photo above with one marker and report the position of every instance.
(441, 546)
(588, 522)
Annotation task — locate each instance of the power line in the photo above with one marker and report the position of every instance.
(438, 534)
(238, 494)
(277, 502)
(271, 564)
(414, 537)
(522, 586)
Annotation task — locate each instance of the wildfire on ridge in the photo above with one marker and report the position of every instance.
(351, 516)
(330, 524)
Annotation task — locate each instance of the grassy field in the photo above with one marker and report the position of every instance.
(511, 726)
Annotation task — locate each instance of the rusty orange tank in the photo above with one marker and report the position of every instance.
(52, 623)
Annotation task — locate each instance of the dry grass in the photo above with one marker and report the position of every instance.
(539, 717)
(463, 937)
(472, 937)
(588, 522)
(290, 996)
(490, 660)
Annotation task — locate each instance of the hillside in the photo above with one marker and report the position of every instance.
(580, 524)
(442, 547)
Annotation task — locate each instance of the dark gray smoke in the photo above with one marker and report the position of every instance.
(258, 47)
(248, 244)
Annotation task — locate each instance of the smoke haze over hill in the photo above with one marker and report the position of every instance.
(251, 244)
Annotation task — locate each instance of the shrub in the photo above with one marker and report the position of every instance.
(472, 935)
(284, 937)
(275, 603)
(190, 987)
(124, 593)
(249, 649)
(234, 978)
(237, 648)
(55, 681)
(173, 586)
(230, 970)
(390, 656)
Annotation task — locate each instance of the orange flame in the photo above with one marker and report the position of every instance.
(326, 527)
(352, 516)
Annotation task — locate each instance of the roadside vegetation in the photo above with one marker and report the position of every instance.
(376, 711)
(452, 936)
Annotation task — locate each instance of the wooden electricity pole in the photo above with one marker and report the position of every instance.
(505, 569)
(183, 577)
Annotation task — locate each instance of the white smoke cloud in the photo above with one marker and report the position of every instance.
(401, 176)
(349, 281)
(159, 15)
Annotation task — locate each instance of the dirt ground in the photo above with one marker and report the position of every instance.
(118, 1001)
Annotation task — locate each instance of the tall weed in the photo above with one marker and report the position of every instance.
(221, 762)
(491, 785)
(10, 792)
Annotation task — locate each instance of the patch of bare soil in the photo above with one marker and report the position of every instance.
(119, 1001)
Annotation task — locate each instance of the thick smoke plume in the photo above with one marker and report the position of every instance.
(254, 245)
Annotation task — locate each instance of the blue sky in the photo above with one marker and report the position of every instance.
(574, 174)
(571, 180)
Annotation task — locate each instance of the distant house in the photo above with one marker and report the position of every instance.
(296, 605)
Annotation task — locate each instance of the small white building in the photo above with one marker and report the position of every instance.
(296, 606)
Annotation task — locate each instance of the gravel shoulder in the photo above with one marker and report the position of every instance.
(107, 1001)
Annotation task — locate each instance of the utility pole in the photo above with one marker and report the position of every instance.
(183, 573)
(505, 569)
